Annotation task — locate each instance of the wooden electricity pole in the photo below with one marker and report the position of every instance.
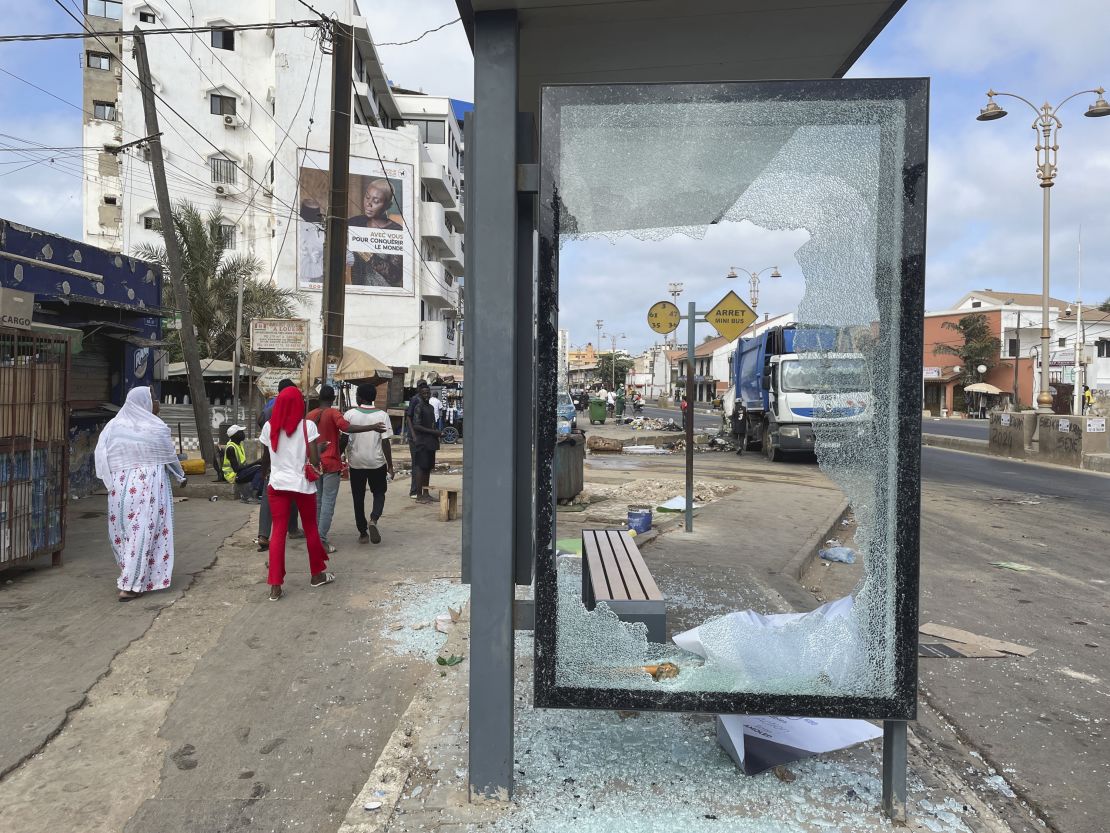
(339, 166)
(173, 254)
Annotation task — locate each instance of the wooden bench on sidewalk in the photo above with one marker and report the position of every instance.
(614, 572)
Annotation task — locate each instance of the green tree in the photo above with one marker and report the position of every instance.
(212, 274)
(605, 368)
(980, 346)
(1104, 306)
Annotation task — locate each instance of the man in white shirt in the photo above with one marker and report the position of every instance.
(370, 460)
(437, 406)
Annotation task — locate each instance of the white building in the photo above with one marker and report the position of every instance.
(259, 101)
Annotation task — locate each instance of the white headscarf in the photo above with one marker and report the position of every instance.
(135, 437)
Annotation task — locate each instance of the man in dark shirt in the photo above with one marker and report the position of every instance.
(424, 443)
(406, 431)
(331, 424)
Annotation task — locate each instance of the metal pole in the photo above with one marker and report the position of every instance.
(238, 348)
(491, 382)
(187, 332)
(691, 323)
(894, 770)
(1044, 398)
(1078, 397)
(339, 166)
(1017, 356)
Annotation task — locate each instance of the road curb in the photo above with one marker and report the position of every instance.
(807, 553)
(967, 444)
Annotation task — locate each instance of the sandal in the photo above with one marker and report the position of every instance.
(275, 592)
(320, 579)
(130, 596)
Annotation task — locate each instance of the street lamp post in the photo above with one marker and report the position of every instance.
(1047, 125)
(612, 355)
(753, 280)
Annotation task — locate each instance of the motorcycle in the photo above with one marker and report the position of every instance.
(638, 407)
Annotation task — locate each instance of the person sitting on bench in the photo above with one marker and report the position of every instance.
(235, 469)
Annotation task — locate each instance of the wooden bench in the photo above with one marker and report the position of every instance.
(614, 572)
(448, 504)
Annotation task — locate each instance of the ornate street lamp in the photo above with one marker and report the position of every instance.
(1047, 125)
(753, 280)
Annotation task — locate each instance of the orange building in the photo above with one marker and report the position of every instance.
(1013, 318)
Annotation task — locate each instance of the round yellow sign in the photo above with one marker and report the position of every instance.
(663, 317)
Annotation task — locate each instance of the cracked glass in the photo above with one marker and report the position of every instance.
(840, 165)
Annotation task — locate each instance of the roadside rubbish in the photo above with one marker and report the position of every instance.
(662, 671)
(968, 638)
(1011, 565)
(845, 555)
(372, 805)
(757, 744)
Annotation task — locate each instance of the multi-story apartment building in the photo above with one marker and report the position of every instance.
(244, 117)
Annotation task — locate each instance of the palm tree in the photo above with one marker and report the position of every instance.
(212, 274)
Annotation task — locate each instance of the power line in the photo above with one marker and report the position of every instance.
(181, 30)
(421, 35)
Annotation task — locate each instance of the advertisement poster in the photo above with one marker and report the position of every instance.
(380, 259)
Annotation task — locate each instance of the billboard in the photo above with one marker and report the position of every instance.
(380, 257)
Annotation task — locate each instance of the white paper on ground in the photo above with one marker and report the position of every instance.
(675, 504)
(759, 743)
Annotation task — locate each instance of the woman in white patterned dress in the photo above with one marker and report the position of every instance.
(133, 456)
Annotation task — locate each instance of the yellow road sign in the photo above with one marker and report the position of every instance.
(731, 316)
(663, 317)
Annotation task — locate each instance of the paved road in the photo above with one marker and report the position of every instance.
(1039, 721)
(700, 420)
(976, 429)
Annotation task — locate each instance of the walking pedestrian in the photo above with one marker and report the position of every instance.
(414, 490)
(132, 457)
(740, 427)
(371, 462)
(291, 454)
(1088, 398)
(265, 517)
(437, 406)
(330, 424)
(424, 444)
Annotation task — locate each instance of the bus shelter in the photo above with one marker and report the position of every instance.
(599, 118)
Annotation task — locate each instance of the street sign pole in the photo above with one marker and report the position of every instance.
(691, 324)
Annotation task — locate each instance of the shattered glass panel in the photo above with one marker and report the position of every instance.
(843, 171)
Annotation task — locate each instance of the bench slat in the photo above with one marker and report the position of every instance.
(632, 584)
(647, 583)
(617, 589)
(594, 569)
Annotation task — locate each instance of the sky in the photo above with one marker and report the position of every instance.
(984, 218)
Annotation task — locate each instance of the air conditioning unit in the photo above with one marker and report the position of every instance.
(227, 190)
(231, 122)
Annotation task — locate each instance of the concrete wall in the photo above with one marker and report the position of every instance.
(1008, 434)
(1065, 439)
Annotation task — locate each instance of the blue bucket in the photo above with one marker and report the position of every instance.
(639, 519)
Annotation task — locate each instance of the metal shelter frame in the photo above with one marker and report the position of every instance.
(508, 475)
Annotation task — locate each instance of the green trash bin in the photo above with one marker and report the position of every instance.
(597, 411)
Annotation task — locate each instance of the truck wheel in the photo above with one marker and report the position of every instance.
(769, 450)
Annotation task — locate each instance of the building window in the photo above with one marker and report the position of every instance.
(227, 235)
(360, 67)
(1063, 342)
(448, 277)
(104, 110)
(111, 9)
(1014, 348)
(976, 304)
(146, 17)
(221, 105)
(98, 60)
(224, 170)
(111, 201)
(431, 132)
(1103, 349)
(152, 224)
(223, 39)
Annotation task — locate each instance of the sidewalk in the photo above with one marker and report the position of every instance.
(208, 708)
(625, 771)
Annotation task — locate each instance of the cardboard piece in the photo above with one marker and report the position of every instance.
(954, 650)
(968, 638)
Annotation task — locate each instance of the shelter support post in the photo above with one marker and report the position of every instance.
(691, 388)
(894, 769)
(491, 391)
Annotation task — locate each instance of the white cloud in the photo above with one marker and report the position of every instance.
(440, 63)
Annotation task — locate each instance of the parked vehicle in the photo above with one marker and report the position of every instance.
(566, 412)
(787, 389)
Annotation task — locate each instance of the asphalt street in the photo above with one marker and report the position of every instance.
(700, 420)
(976, 429)
(1040, 721)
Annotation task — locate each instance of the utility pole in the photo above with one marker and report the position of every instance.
(238, 348)
(335, 230)
(173, 254)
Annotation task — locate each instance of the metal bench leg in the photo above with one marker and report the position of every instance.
(894, 769)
